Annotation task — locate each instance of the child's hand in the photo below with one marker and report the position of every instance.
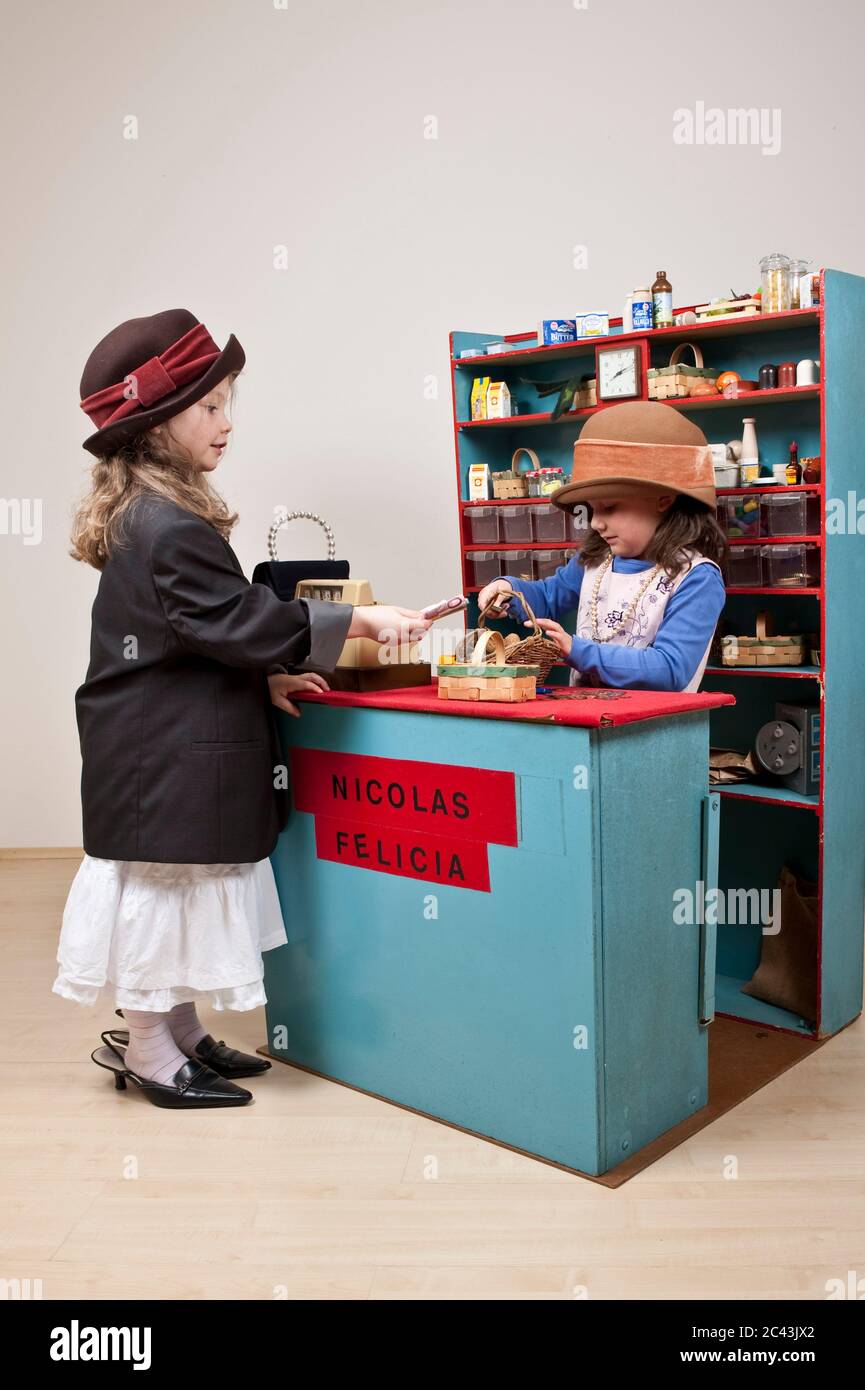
(488, 593)
(556, 632)
(281, 686)
(387, 622)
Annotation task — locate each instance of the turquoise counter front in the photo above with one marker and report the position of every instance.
(493, 914)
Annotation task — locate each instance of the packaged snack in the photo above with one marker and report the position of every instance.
(498, 401)
(479, 397)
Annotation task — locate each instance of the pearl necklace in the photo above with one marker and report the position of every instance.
(631, 608)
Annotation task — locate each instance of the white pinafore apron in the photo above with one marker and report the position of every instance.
(153, 935)
(616, 592)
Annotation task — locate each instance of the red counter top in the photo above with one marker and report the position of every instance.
(592, 708)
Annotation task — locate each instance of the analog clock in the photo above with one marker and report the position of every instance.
(618, 373)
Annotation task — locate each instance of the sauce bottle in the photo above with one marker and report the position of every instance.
(662, 301)
(794, 472)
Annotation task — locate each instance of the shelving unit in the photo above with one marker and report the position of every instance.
(763, 827)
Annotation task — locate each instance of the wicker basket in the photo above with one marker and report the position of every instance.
(513, 483)
(483, 672)
(678, 380)
(536, 650)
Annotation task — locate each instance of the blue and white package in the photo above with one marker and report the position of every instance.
(593, 325)
(552, 331)
(641, 310)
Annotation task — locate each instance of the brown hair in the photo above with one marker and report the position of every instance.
(687, 524)
(153, 462)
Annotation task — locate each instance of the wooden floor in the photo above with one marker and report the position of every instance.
(317, 1191)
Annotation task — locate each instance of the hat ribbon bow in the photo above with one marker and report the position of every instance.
(180, 363)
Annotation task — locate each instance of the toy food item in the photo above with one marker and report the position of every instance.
(498, 401)
(479, 397)
(740, 517)
(725, 378)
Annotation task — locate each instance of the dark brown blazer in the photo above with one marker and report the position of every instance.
(179, 741)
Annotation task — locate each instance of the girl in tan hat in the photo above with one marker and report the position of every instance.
(647, 584)
(182, 800)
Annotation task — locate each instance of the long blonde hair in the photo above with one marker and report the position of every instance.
(152, 462)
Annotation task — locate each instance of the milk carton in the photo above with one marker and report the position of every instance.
(479, 482)
(498, 401)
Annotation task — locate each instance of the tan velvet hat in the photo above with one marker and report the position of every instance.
(636, 447)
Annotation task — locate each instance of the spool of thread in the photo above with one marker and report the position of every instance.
(768, 376)
(787, 374)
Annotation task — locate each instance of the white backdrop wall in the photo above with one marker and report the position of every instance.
(426, 167)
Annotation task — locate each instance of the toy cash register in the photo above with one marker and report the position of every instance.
(363, 663)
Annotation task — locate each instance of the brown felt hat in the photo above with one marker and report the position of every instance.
(635, 448)
(147, 370)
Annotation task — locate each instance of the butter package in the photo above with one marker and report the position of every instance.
(498, 401)
(593, 325)
(479, 397)
(552, 331)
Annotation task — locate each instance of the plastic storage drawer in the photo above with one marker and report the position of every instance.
(519, 563)
(486, 566)
(791, 566)
(740, 517)
(547, 562)
(517, 524)
(797, 514)
(550, 523)
(745, 566)
(484, 527)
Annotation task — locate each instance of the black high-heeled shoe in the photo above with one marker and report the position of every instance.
(193, 1087)
(225, 1061)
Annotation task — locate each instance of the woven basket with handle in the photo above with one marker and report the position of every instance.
(536, 650)
(513, 483)
(680, 380)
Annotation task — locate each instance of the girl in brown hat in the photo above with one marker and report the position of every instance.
(181, 786)
(647, 584)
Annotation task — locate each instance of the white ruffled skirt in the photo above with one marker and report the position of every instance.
(155, 935)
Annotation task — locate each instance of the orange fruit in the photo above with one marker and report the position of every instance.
(725, 378)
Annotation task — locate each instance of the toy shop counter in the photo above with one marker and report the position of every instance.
(492, 911)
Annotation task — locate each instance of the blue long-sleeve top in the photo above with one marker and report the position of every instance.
(686, 628)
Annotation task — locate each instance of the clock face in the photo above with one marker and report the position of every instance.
(618, 373)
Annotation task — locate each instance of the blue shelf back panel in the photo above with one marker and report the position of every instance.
(757, 840)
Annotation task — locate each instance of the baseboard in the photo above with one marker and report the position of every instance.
(33, 852)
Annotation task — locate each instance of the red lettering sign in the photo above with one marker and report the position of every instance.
(410, 854)
(474, 803)
(421, 820)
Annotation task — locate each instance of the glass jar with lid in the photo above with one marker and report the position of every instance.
(775, 274)
(798, 270)
(550, 480)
